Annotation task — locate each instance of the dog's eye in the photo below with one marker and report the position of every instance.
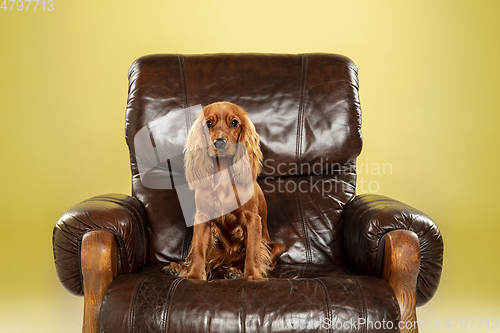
(209, 124)
(234, 123)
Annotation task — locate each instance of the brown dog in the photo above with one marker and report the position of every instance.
(222, 162)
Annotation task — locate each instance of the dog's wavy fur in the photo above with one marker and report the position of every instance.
(238, 240)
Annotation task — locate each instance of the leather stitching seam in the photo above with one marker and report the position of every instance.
(327, 301)
(133, 301)
(170, 295)
(363, 301)
(300, 116)
(304, 224)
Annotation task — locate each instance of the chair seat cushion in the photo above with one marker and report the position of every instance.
(298, 298)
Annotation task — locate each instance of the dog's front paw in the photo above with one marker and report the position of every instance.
(177, 269)
(233, 273)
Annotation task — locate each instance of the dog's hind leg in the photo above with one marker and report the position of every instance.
(277, 250)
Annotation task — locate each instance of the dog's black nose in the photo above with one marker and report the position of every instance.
(220, 143)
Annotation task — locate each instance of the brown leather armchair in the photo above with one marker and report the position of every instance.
(354, 263)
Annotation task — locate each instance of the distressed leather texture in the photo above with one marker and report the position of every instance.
(368, 218)
(322, 300)
(121, 215)
(306, 110)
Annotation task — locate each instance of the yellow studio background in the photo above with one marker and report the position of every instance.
(429, 80)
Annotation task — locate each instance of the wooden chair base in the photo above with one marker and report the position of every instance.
(98, 262)
(400, 270)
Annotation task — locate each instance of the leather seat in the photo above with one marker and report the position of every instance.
(304, 299)
(334, 275)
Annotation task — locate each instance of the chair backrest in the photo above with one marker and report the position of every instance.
(307, 113)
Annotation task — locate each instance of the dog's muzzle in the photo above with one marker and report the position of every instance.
(220, 143)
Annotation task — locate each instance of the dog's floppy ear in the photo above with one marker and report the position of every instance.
(248, 149)
(199, 166)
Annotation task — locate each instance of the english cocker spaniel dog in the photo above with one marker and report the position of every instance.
(222, 161)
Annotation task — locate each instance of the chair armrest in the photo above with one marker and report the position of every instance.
(121, 215)
(368, 218)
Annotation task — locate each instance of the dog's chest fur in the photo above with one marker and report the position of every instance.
(228, 226)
